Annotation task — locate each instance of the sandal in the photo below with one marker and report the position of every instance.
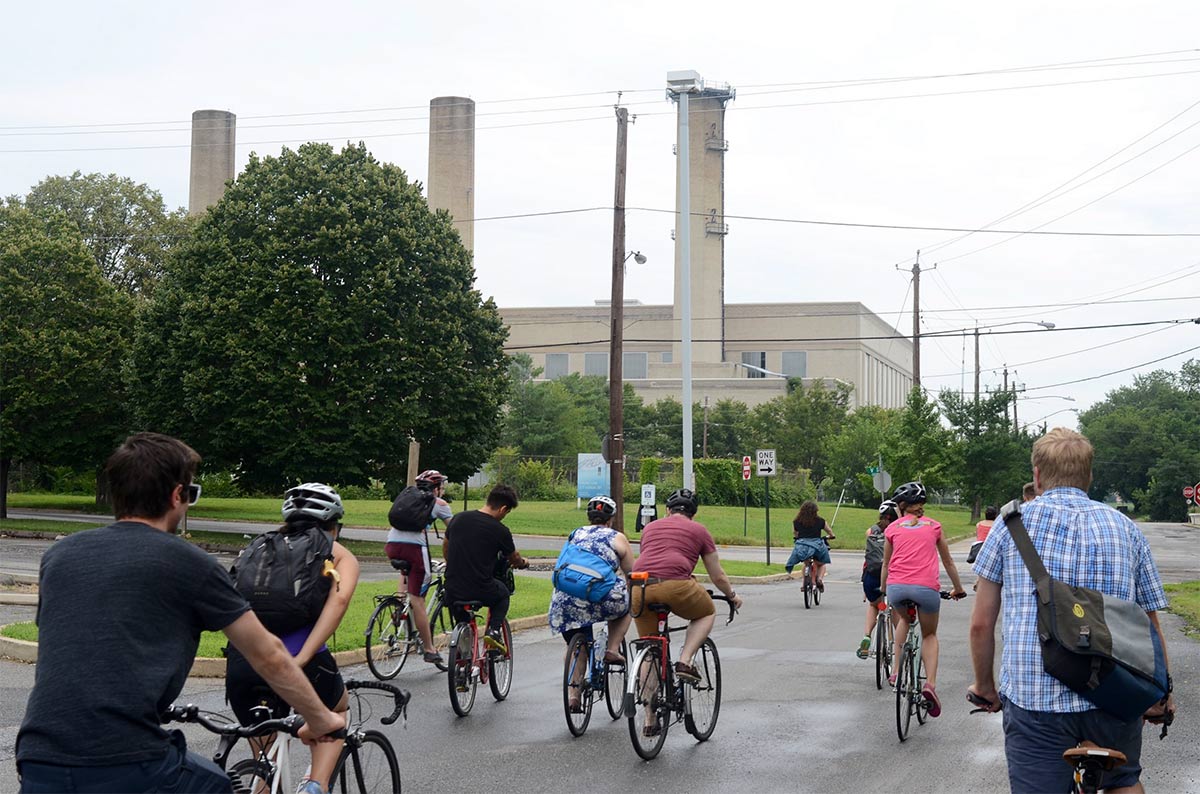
(651, 730)
(575, 706)
(614, 658)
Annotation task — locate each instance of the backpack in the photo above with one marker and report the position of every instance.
(583, 574)
(412, 510)
(873, 561)
(281, 574)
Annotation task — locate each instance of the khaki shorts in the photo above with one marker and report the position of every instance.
(687, 598)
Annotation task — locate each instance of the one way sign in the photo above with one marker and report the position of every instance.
(766, 463)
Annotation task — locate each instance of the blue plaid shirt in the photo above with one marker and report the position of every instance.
(1082, 543)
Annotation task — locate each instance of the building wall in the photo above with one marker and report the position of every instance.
(451, 184)
(214, 134)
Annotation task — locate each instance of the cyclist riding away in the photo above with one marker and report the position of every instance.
(473, 543)
(312, 515)
(413, 548)
(873, 570)
(670, 549)
(807, 529)
(570, 615)
(910, 573)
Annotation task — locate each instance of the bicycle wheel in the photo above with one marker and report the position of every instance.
(919, 704)
(816, 593)
(369, 768)
(614, 684)
(807, 587)
(389, 636)
(883, 652)
(500, 667)
(704, 698)
(904, 692)
(576, 674)
(439, 625)
(459, 661)
(250, 776)
(648, 695)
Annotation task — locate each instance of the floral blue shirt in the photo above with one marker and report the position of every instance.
(568, 612)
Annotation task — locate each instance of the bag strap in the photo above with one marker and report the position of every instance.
(1029, 555)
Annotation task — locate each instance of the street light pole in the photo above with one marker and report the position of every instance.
(680, 85)
(616, 385)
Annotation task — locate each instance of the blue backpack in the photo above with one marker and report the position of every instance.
(582, 574)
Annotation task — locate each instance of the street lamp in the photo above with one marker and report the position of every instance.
(1049, 326)
(616, 383)
(1047, 416)
(1049, 397)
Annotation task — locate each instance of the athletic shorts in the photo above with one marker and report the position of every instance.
(927, 599)
(870, 585)
(1034, 742)
(687, 598)
(245, 689)
(418, 558)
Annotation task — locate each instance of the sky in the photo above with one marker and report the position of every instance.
(1089, 111)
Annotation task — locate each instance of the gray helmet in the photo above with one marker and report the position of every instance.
(313, 500)
(910, 493)
(684, 500)
(601, 508)
(888, 506)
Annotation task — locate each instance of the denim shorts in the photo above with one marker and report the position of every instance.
(1034, 742)
(927, 599)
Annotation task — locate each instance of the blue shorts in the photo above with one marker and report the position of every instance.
(870, 583)
(1034, 742)
(806, 548)
(926, 598)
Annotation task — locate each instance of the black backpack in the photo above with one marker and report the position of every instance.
(412, 510)
(873, 559)
(282, 575)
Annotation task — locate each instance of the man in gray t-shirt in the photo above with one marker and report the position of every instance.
(120, 612)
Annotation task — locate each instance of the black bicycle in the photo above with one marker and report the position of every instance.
(392, 634)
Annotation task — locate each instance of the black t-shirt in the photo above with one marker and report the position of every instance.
(808, 530)
(473, 541)
(120, 612)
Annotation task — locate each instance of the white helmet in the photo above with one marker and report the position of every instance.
(312, 499)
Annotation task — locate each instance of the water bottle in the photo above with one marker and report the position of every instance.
(599, 644)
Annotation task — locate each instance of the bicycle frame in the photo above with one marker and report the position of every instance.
(277, 757)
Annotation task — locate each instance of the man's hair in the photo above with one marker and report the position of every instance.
(990, 513)
(1063, 458)
(502, 496)
(144, 471)
(1029, 492)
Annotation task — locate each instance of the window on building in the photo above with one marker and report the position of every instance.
(633, 365)
(755, 359)
(595, 364)
(795, 363)
(557, 365)
(667, 357)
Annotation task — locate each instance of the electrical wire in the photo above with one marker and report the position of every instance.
(1114, 372)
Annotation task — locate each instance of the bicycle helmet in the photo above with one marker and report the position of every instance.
(430, 479)
(888, 506)
(910, 493)
(684, 501)
(313, 500)
(600, 509)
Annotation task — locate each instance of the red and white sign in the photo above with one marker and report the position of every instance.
(1196, 493)
(1188, 492)
(746, 467)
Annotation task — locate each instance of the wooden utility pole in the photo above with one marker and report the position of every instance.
(616, 386)
(916, 271)
(977, 362)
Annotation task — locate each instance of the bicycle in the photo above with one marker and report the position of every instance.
(811, 591)
(586, 675)
(651, 685)
(469, 661)
(883, 646)
(910, 676)
(394, 630)
(367, 763)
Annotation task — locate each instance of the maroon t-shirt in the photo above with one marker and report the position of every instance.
(671, 546)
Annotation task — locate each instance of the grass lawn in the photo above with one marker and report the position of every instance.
(532, 598)
(559, 518)
(1185, 602)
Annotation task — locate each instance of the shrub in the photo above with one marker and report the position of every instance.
(535, 479)
(375, 489)
(219, 485)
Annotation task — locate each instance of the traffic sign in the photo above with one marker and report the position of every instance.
(1188, 492)
(1196, 493)
(766, 463)
(745, 467)
(882, 481)
(872, 470)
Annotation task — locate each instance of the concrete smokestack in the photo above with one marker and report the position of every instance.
(213, 137)
(451, 184)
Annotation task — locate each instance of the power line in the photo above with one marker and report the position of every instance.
(1115, 371)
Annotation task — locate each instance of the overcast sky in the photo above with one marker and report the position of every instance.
(804, 145)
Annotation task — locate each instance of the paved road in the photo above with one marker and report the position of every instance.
(799, 713)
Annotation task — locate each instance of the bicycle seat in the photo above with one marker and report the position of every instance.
(467, 604)
(657, 607)
(403, 566)
(1105, 758)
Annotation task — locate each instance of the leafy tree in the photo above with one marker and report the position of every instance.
(730, 430)
(125, 225)
(989, 460)
(591, 397)
(801, 424)
(64, 331)
(867, 434)
(659, 431)
(320, 316)
(1162, 498)
(544, 418)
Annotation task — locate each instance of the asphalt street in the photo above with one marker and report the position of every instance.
(799, 712)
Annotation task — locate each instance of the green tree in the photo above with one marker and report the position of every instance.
(319, 317)
(658, 431)
(64, 332)
(544, 418)
(730, 430)
(867, 434)
(125, 224)
(1162, 498)
(989, 460)
(924, 447)
(801, 424)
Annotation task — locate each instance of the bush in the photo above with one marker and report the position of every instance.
(375, 489)
(536, 479)
(220, 485)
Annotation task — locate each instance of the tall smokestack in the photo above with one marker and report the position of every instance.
(213, 137)
(451, 184)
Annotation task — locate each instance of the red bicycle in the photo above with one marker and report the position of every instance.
(469, 661)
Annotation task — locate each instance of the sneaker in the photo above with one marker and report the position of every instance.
(310, 786)
(686, 672)
(931, 698)
(433, 657)
(864, 648)
(493, 640)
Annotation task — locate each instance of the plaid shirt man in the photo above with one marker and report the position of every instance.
(1082, 543)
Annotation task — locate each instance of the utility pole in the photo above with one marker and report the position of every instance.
(976, 363)
(916, 318)
(616, 384)
(704, 448)
(1016, 388)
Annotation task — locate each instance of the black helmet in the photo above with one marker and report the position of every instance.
(888, 506)
(910, 493)
(684, 500)
(600, 509)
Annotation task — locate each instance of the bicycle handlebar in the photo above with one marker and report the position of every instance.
(727, 600)
(983, 703)
(400, 696)
(191, 713)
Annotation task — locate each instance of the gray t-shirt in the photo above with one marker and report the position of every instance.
(120, 612)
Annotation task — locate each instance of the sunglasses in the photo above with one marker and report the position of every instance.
(193, 494)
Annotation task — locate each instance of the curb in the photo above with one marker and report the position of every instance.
(19, 650)
(18, 599)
